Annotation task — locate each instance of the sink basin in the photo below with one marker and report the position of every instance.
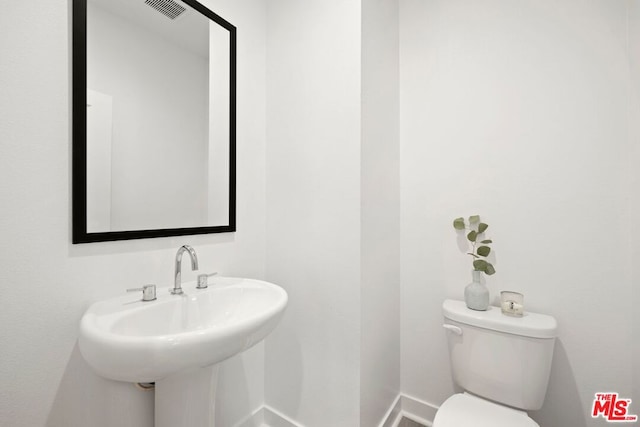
(127, 339)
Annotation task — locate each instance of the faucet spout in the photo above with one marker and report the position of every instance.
(177, 284)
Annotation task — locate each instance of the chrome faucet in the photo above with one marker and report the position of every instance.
(177, 285)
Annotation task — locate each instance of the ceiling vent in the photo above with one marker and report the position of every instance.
(168, 8)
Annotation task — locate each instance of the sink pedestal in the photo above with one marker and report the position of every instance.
(187, 399)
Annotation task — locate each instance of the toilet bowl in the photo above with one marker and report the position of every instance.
(502, 363)
(464, 409)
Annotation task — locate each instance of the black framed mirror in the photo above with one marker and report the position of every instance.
(154, 118)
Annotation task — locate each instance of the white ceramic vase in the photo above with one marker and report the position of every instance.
(476, 293)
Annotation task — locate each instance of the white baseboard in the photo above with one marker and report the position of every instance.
(273, 418)
(403, 406)
(410, 407)
(418, 410)
(394, 414)
(266, 416)
(255, 419)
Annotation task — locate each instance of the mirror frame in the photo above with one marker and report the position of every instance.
(79, 137)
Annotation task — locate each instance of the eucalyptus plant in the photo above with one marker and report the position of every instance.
(480, 250)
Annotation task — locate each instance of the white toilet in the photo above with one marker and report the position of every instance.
(502, 363)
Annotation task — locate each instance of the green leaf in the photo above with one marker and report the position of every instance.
(483, 250)
(458, 223)
(474, 219)
(472, 236)
(490, 270)
(486, 241)
(480, 264)
(482, 227)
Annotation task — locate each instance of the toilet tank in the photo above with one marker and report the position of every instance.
(501, 358)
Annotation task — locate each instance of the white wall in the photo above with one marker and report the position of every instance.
(380, 212)
(333, 210)
(312, 362)
(517, 111)
(48, 282)
(634, 157)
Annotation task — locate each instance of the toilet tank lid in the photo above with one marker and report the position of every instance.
(529, 325)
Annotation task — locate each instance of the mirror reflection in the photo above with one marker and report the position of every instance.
(159, 125)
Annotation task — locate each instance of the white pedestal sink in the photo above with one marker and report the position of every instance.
(176, 341)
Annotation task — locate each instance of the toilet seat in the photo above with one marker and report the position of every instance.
(465, 410)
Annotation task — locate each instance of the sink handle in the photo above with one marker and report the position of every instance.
(202, 280)
(148, 292)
